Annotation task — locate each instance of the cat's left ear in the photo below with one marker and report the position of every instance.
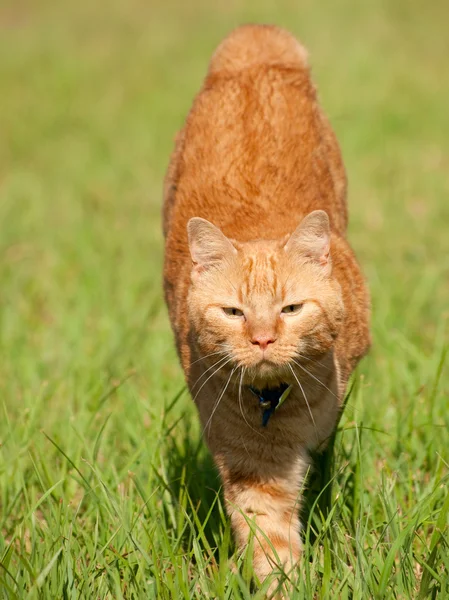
(312, 239)
(208, 245)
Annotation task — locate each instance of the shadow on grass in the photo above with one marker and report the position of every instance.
(318, 497)
(195, 485)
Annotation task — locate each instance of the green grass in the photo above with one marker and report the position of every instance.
(106, 489)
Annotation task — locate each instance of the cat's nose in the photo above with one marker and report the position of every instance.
(262, 341)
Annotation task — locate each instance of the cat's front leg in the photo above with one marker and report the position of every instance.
(265, 511)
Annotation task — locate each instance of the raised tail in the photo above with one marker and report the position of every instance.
(252, 45)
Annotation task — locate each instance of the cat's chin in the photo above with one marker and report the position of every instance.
(267, 374)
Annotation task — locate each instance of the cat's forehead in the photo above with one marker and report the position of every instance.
(260, 256)
(261, 268)
(259, 249)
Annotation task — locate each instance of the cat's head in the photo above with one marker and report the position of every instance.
(264, 304)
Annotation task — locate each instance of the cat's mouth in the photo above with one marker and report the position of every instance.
(264, 364)
(267, 372)
(269, 361)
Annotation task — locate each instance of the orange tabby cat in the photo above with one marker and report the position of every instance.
(266, 299)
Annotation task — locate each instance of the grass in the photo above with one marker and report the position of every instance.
(106, 489)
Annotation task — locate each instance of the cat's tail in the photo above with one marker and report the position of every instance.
(252, 45)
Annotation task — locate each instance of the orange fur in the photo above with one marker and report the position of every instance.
(259, 160)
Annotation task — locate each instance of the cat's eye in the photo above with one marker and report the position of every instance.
(233, 312)
(292, 309)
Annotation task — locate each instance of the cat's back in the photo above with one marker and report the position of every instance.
(256, 153)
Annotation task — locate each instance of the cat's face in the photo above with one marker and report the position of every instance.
(264, 304)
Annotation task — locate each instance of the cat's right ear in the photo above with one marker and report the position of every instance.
(311, 239)
(208, 245)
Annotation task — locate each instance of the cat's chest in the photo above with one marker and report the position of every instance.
(305, 418)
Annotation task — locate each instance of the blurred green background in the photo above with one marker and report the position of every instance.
(104, 483)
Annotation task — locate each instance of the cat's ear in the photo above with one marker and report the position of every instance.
(208, 245)
(312, 239)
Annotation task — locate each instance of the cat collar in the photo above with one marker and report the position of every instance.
(271, 399)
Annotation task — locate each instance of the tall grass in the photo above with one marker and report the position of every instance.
(106, 488)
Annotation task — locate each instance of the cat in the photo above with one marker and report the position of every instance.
(268, 305)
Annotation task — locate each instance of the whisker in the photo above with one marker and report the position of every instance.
(208, 369)
(315, 361)
(304, 357)
(307, 402)
(214, 373)
(207, 356)
(244, 445)
(219, 400)
(316, 378)
(242, 372)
